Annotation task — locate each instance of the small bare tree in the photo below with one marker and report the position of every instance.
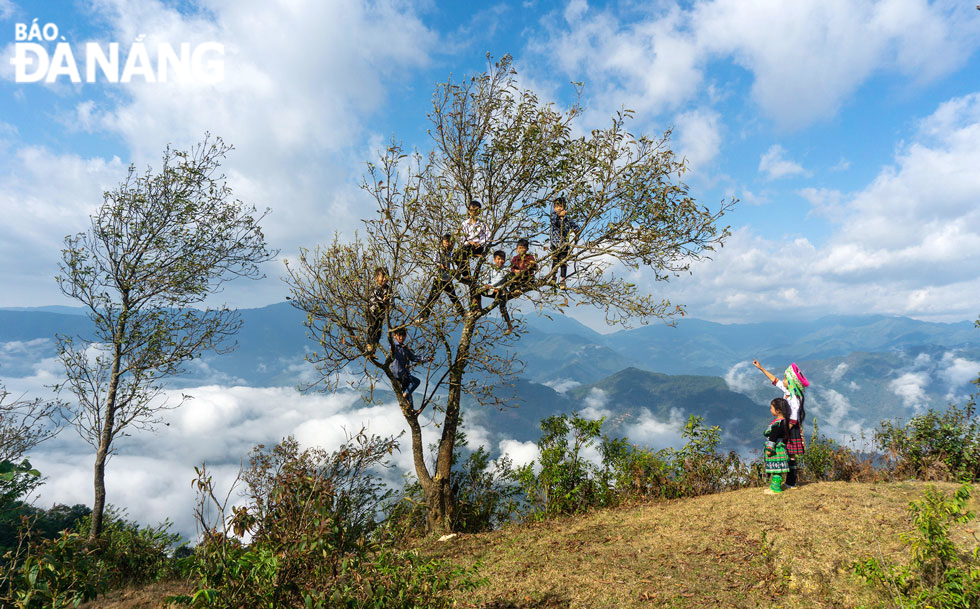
(494, 142)
(159, 245)
(25, 423)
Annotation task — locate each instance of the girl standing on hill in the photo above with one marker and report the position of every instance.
(792, 385)
(776, 459)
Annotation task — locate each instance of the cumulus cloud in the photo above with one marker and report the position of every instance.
(839, 406)
(655, 433)
(838, 372)
(805, 59)
(775, 165)
(520, 453)
(562, 385)
(698, 136)
(740, 377)
(596, 404)
(302, 80)
(150, 473)
(958, 371)
(911, 388)
(910, 240)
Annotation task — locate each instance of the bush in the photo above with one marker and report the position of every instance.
(934, 445)
(939, 575)
(566, 482)
(315, 536)
(826, 461)
(67, 569)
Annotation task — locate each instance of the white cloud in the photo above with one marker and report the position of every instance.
(151, 473)
(774, 164)
(698, 136)
(959, 371)
(7, 9)
(805, 59)
(911, 388)
(905, 244)
(653, 433)
(596, 405)
(838, 372)
(302, 80)
(562, 385)
(520, 453)
(839, 407)
(45, 197)
(742, 378)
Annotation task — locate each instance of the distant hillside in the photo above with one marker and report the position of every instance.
(864, 369)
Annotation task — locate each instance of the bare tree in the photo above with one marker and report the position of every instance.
(25, 423)
(495, 143)
(160, 244)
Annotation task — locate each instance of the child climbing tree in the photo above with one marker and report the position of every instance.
(496, 143)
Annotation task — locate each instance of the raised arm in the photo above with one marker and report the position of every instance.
(768, 374)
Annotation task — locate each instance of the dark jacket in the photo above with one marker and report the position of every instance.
(444, 257)
(402, 355)
(560, 227)
(380, 299)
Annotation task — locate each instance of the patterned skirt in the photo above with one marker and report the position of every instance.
(795, 445)
(778, 461)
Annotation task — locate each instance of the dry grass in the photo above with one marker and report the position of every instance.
(146, 597)
(703, 552)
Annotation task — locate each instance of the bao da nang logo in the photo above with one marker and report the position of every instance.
(203, 63)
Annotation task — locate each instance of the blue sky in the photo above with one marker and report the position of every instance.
(850, 131)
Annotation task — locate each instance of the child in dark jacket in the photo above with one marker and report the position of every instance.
(563, 230)
(379, 303)
(402, 358)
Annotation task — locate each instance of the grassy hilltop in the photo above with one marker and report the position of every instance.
(706, 551)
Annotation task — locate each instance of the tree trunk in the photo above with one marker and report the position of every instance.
(105, 438)
(439, 498)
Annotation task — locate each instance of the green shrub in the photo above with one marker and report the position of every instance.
(65, 570)
(129, 554)
(316, 540)
(565, 483)
(826, 460)
(934, 445)
(939, 575)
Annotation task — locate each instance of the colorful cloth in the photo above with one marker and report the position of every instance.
(523, 263)
(776, 458)
(793, 383)
(799, 374)
(776, 483)
(777, 461)
(475, 232)
(795, 445)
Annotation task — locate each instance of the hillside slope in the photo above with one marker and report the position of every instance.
(706, 551)
(702, 552)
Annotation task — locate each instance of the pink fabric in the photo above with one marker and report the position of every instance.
(800, 376)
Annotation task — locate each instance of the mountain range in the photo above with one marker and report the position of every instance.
(864, 369)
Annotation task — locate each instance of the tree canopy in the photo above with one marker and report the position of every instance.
(496, 143)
